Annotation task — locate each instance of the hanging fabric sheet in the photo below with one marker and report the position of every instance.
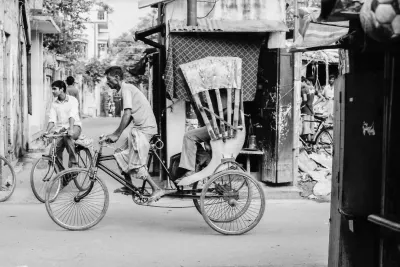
(187, 48)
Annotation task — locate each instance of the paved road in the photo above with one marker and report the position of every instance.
(292, 233)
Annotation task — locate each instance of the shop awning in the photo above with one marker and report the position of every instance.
(210, 25)
(44, 24)
(313, 34)
(318, 34)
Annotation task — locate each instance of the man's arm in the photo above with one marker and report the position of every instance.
(74, 113)
(125, 120)
(52, 118)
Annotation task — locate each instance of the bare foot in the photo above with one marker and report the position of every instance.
(159, 193)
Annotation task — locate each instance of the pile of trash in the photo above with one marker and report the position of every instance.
(315, 175)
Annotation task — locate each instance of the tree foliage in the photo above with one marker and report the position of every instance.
(70, 16)
(126, 52)
(94, 70)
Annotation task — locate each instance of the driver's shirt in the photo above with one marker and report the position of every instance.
(61, 111)
(142, 113)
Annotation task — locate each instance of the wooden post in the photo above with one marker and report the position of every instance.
(1, 100)
(296, 96)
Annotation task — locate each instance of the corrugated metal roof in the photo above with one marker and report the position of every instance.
(209, 25)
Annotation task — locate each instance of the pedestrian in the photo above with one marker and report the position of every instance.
(72, 90)
(307, 111)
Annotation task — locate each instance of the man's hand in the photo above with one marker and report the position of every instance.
(44, 134)
(111, 138)
(70, 132)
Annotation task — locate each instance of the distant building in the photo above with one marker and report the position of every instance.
(97, 34)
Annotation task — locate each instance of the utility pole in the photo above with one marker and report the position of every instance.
(296, 94)
(191, 12)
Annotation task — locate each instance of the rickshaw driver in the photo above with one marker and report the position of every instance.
(132, 156)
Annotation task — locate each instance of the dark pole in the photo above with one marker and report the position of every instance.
(191, 12)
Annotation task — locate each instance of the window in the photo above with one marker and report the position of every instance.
(100, 15)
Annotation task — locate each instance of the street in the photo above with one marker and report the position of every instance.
(292, 233)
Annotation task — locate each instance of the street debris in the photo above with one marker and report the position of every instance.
(315, 175)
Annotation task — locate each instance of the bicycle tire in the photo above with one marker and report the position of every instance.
(8, 181)
(327, 145)
(250, 208)
(34, 181)
(83, 162)
(219, 168)
(72, 206)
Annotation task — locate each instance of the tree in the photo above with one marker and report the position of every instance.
(70, 16)
(94, 70)
(126, 51)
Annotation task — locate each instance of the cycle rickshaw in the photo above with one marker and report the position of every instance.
(230, 201)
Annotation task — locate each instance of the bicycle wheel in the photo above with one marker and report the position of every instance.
(196, 202)
(324, 141)
(43, 171)
(227, 165)
(232, 202)
(72, 213)
(7, 179)
(84, 158)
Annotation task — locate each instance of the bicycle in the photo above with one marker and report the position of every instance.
(7, 179)
(230, 201)
(48, 166)
(322, 139)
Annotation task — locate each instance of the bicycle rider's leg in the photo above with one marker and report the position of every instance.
(70, 146)
(60, 149)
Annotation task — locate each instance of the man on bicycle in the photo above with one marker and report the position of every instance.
(64, 114)
(132, 157)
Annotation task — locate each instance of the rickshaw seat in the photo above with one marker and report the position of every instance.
(215, 85)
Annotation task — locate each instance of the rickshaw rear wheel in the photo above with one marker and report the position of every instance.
(232, 202)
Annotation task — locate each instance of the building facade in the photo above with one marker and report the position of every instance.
(14, 47)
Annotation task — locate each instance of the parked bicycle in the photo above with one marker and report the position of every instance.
(7, 179)
(48, 166)
(322, 139)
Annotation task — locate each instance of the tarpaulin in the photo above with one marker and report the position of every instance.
(187, 48)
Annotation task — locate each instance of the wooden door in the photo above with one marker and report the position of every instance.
(276, 75)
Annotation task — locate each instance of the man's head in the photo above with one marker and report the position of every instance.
(310, 80)
(70, 80)
(331, 79)
(115, 76)
(58, 88)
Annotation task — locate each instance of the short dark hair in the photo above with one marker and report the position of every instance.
(332, 76)
(115, 70)
(59, 84)
(70, 80)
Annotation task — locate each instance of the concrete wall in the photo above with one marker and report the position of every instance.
(13, 91)
(176, 119)
(39, 99)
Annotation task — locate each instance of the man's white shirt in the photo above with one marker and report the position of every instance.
(61, 111)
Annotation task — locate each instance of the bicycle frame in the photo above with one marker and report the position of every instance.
(99, 158)
(53, 156)
(319, 128)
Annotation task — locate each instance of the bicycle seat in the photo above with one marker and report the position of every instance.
(320, 116)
